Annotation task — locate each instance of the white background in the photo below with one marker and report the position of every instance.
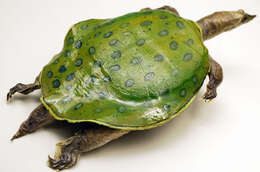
(221, 136)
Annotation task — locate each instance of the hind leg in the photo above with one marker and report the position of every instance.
(38, 118)
(24, 88)
(69, 150)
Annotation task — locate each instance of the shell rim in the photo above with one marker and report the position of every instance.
(157, 124)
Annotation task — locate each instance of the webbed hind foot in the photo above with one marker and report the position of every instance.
(68, 151)
(23, 88)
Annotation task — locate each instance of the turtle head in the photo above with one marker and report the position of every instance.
(242, 17)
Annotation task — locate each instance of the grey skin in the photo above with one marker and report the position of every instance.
(92, 136)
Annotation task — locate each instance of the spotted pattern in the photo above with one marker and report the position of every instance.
(167, 108)
(49, 74)
(98, 110)
(174, 45)
(78, 44)
(183, 92)
(67, 53)
(70, 40)
(129, 83)
(116, 54)
(190, 42)
(102, 95)
(62, 69)
(91, 50)
(115, 67)
(163, 17)
(180, 25)
(146, 23)
(124, 25)
(108, 34)
(195, 79)
(163, 33)
(158, 58)
(140, 42)
(149, 76)
(70, 77)
(136, 60)
(97, 64)
(78, 62)
(187, 57)
(107, 79)
(56, 83)
(84, 27)
(121, 109)
(78, 106)
(113, 42)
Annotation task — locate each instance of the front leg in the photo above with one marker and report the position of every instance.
(24, 88)
(215, 78)
(69, 150)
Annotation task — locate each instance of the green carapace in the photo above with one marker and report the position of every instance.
(132, 72)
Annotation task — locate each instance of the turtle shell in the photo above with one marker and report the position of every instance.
(131, 72)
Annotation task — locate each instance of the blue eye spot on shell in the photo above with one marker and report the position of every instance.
(195, 79)
(49, 74)
(121, 109)
(67, 53)
(70, 77)
(56, 61)
(183, 92)
(163, 33)
(136, 60)
(149, 76)
(140, 42)
(129, 83)
(84, 27)
(70, 40)
(68, 87)
(163, 17)
(174, 45)
(107, 79)
(78, 44)
(180, 25)
(113, 42)
(78, 62)
(115, 67)
(167, 108)
(62, 69)
(116, 54)
(158, 58)
(108, 34)
(190, 42)
(56, 83)
(146, 23)
(91, 50)
(187, 57)
(78, 106)
(97, 63)
(98, 110)
(102, 95)
(124, 25)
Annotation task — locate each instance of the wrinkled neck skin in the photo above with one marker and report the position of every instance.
(223, 21)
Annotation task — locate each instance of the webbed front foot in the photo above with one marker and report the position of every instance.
(23, 88)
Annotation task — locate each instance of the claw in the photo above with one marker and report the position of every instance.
(66, 156)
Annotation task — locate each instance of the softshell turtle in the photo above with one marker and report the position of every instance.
(132, 72)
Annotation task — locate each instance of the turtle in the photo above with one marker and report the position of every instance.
(132, 72)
